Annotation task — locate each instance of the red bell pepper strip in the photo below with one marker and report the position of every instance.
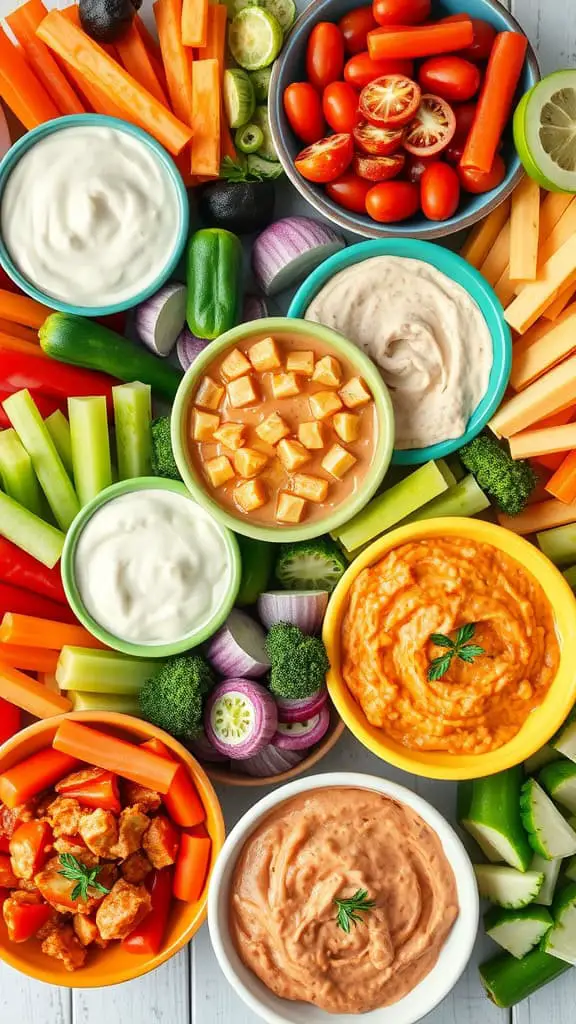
(40, 771)
(4, 844)
(181, 801)
(192, 867)
(4, 894)
(10, 724)
(8, 879)
(93, 787)
(148, 935)
(15, 601)
(59, 380)
(23, 920)
(30, 847)
(19, 568)
(46, 406)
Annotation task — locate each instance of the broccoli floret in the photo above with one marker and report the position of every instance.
(163, 461)
(299, 662)
(508, 482)
(173, 697)
(310, 565)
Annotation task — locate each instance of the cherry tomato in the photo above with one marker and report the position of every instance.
(355, 26)
(439, 191)
(304, 111)
(324, 55)
(484, 36)
(361, 69)
(432, 128)
(390, 101)
(393, 200)
(477, 182)
(377, 141)
(453, 152)
(378, 168)
(464, 114)
(415, 166)
(327, 159)
(349, 191)
(452, 78)
(401, 12)
(340, 106)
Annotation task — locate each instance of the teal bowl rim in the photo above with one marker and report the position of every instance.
(19, 148)
(451, 264)
(382, 454)
(193, 639)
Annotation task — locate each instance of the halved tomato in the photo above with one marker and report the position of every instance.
(377, 141)
(432, 129)
(378, 168)
(390, 101)
(327, 159)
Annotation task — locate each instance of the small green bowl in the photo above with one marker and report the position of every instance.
(152, 650)
(382, 453)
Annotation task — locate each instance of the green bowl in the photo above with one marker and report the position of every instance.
(152, 650)
(383, 449)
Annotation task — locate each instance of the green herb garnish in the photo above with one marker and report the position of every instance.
(458, 648)
(85, 877)
(349, 910)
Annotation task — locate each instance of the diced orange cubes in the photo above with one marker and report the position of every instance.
(338, 461)
(289, 508)
(248, 462)
(204, 425)
(242, 392)
(235, 365)
(292, 454)
(285, 385)
(209, 394)
(347, 426)
(324, 404)
(264, 355)
(231, 435)
(355, 393)
(250, 496)
(310, 434)
(300, 361)
(272, 429)
(328, 371)
(313, 488)
(219, 470)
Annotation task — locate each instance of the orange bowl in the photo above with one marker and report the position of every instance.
(113, 965)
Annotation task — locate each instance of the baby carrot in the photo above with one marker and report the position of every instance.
(496, 98)
(191, 867)
(181, 801)
(29, 694)
(409, 41)
(29, 631)
(22, 781)
(115, 755)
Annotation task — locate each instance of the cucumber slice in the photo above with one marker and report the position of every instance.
(267, 170)
(517, 931)
(283, 10)
(489, 810)
(261, 118)
(507, 887)
(548, 130)
(239, 101)
(508, 981)
(255, 38)
(549, 834)
(310, 565)
(261, 83)
(561, 939)
(559, 781)
(564, 742)
(550, 869)
(249, 138)
(545, 755)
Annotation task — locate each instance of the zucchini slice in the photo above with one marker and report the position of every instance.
(507, 887)
(518, 931)
(508, 981)
(560, 941)
(489, 810)
(565, 739)
(559, 781)
(550, 869)
(545, 755)
(549, 833)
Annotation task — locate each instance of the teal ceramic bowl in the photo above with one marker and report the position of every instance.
(276, 534)
(140, 650)
(463, 274)
(21, 147)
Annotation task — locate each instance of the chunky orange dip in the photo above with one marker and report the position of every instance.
(436, 586)
(327, 845)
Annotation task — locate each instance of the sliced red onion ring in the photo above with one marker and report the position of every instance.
(238, 648)
(188, 347)
(159, 320)
(201, 747)
(299, 710)
(240, 718)
(302, 735)
(270, 761)
(303, 608)
(254, 308)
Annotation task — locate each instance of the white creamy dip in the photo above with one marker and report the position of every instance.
(90, 216)
(426, 335)
(152, 566)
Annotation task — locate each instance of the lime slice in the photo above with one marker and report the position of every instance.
(239, 99)
(255, 38)
(249, 138)
(545, 131)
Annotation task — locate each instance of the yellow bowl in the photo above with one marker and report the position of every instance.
(540, 725)
(113, 965)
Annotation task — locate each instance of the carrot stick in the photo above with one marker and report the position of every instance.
(153, 50)
(527, 443)
(227, 147)
(544, 515)
(562, 484)
(177, 59)
(191, 867)
(496, 98)
(72, 13)
(181, 801)
(215, 47)
(20, 89)
(559, 304)
(419, 40)
(18, 331)
(97, 68)
(115, 755)
(134, 58)
(24, 780)
(557, 419)
(22, 310)
(30, 631)
(24, 21)
(8, 343)
(206, 105)
(28, 659)
(195, 22)
(550, 462)
(29, 694)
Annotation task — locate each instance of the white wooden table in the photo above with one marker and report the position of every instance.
(190, 988)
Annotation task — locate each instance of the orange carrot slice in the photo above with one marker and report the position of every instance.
(22, 310)
(134, 58)
(24, 21)
(29, 694)
(28, 659)
(24, 780)
(177, 59)
(115, 755)
(215, 35)
(206, 105)
(153, 49)
(8, 343)
(182, 800)
(29, 631)
(194, 22)
(20, 89)
(562, 484)
(18, 331)
(192, 867)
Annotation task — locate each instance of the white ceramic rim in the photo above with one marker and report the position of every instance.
(432, 989)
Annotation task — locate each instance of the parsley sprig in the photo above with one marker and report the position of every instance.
(85, 877)
(349, 910)
(458, 648)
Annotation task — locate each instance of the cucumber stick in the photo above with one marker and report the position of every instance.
(465, 498)
(545, 755)
(39, 539)
(508, 981)
(561, 939)
(507, 887)
(133, 422)
(121, 703)
(90, 446)
(93, 671)
(518, 931)
(18, 476)
(549, 833)
(551, 870)
(559, 781)
(564, 742)
(59, 429)
(489, 810)
(559, 544)
(52, 476)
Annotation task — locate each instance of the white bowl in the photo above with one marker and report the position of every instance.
(422, 999)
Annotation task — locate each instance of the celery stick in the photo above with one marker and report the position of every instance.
(391, 506)
(465, 499)
(41, 540)
(446, 471)
(94, 671)
(570, 575)
(59, 429)
(90, 446)
(559, 544)
(132, 420)
(18, 476)
(124, 703)
(52, 476)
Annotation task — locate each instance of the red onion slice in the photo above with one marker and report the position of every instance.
(201, 747)
(303, 608)
(159, 320)
(240, 718)
(188, 347)
(270, 761)
(293, 710)
(290, 249)
(302, 735)
(238, 648)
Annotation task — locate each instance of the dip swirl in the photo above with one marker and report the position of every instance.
(325, 845)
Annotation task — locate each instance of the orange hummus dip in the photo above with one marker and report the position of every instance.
(436, 586)
(325, 845)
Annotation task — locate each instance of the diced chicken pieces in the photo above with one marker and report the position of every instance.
(77, 847)
(57, 890)
(292, 454)
(300, 361)
(250, 496)
(338, 461)
(313, 488)
(209, 394)
(85, 929)
(64, 815)
(355, 393)
(61, 943)
(99, 830)
(122, 909)
(272, 429)
(242, 392)
(204, 424)
(347, 426)
(248, 462)
(27, 885)
(328, 371)
(140, 796)
(136, 867)
(285, 385)
(264, 355)
(235, 365)
(132, 825)
(324, 404)
(289, 508)
(219, 470)
(310, 435)
(161, 843)
(231, 435)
